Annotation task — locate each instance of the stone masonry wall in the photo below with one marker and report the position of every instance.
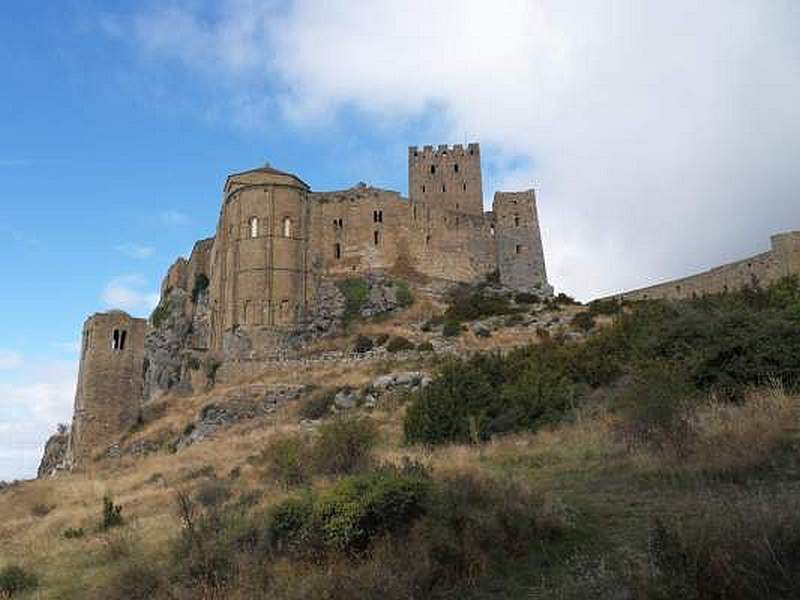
(781, 261)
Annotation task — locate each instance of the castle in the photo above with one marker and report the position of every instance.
(270, 267)
(280, 251)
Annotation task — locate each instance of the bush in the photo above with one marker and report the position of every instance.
(425, 347)
(525, 298)
(362, 344)
(14, 580)
(349, 516)
(399, 343)
(381, 339)
(403, 294)
(452, 328)
(488, 394)
(605, 307)
(583, 321)
(41, 510)
(317, 405)
(287, 459)
(355, 291)
(344, 445)
(468, 303)
(112, 513)
(656, 407)
(514, 319)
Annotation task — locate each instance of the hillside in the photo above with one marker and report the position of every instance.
(471, 445)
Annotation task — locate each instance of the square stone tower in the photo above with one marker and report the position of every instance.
(448, 177)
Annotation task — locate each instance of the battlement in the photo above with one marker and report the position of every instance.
(428, 152)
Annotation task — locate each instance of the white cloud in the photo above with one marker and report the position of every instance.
(30, 410)
(130, 293)
(661, 136)
(10, 360)
(173, 217)
(138, 251)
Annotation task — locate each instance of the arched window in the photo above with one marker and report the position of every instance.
(287, 227)
(118, 339)
(516, 220)
(253, 227)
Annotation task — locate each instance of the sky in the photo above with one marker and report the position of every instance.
(662, 138)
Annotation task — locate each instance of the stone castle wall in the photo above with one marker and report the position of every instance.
(760, 270)
(110, 380)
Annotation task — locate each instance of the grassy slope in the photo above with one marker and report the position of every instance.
(605, 495)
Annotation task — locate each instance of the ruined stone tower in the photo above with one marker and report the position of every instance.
(520, 256)
(109, 392)
(260, 273)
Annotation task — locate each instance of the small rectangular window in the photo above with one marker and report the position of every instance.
(377, 237)
(338, 251)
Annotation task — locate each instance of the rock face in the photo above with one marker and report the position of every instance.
(241, 404)
(174, 347)
(55, 454)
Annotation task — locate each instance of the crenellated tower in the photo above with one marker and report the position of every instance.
(448, 177)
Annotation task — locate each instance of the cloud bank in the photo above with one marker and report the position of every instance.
(661, 136)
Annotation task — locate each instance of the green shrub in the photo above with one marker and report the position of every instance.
(362, 344)
(425, 347)
(112, 513)
(41, 510)
(14, 580)
(489, 394)
(467, 303)
(403, 294)
(605, 307)
(317, 405)
(201, 283)
(398, 343)
(355, 291)
(381, 339)
(525, 298)
(349, 516)
(656, 406)
(344, 445)
(583, 321)
(452, 328)
(287, 459)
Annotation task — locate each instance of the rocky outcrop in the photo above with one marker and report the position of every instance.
(175, 347)
(238, 405)
(55, 454)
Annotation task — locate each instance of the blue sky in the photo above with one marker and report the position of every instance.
(661, 140)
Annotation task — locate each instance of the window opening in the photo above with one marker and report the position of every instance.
(338, 251)
(377, 237)
(253, 227)
(433, 169)
(287, 227)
